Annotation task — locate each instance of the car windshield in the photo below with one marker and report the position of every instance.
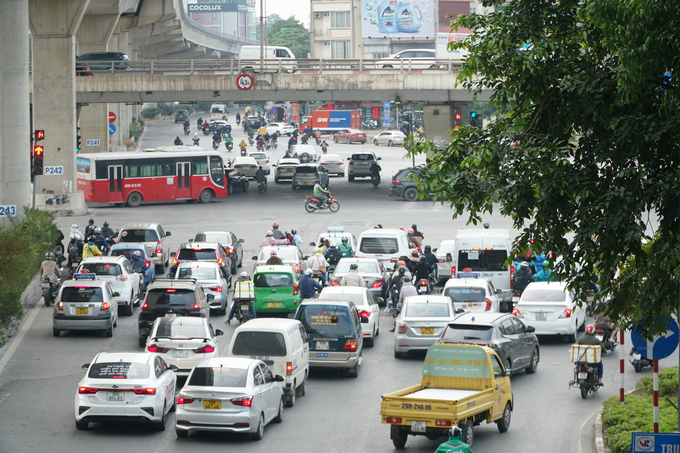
(258, 156)
(218, 377)
(305, 170)
(259, 344)
(465, 294)
(363, 267)
(170, 297)
(199, 273)
(543, 295)
(325, 320)
(273, 280)
(427, 310)
(285, 253)
(127, 253)
(118, 370)
(357, 298)
(217, 110)
(445, 248)
(482, 260)
(466, 332)
(101, 269)
(197, 255)
(362, 156)
(379, 245)
(82, 294)
(177, 328)
(138, 236)
(221, 238)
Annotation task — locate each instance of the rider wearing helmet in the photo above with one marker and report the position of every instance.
(75, 230)
(333, 255)
(345, 248)
(107, 232)
(297, 240)
(352, 278)
(522, 278)
(50, 269)
(273, 259)
(308, 286)
(590, 339)
(318, 264)
(90, 248)
(244, 291)
(278, 234)
(268, 239)
(454, 444)
(396, 281)
(100, 240)
(137, 262)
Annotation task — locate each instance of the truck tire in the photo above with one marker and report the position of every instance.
(398, 435)
(504, 422)
(468, 436)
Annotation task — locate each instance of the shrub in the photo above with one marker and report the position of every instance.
(135, 131)
(149, 112)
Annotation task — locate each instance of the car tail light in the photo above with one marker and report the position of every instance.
(442, 423)
(394, 260)
(364, 314)
(402, 328)
(393, 420)
(377, 283)
(144, 391)
(145, 306)
(87, 390)
(296, 288)
(566, 314)
(159, 247)
(219, 260)
(105, 306)
(148, 263)
(174, 261)
(512, 274)
(517, 313)
(121, 278)
(297, 268)
(181, 399)
(334, 282)
(195, 307)
(170, 290)
(453, 271)
(350, 345)
(156, 348)
(289, 368)
(204, 350)
(323, 163)
(245, 401)
(488, 304)
(60, 306)
(217, 289)
(351, 162)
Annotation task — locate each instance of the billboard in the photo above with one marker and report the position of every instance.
(338, 119)
(215, 7)
(441, 48)
(398, 18)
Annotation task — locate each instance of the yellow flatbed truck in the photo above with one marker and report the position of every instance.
(462, 385)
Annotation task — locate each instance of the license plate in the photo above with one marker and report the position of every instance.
(599, 337)
(82, 311)
(244, 307)
(583, 375)
(541, 316)
(288, 170)
(418, 426)
(305, 183)
(115, 396)
(322, 345)
(45, 285)
(74, 265)
(322, 354)
(208, 404)
(427, 330)
(180, 353)
(637, 356)
(272, 305)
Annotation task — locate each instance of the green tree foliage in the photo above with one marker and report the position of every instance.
(290, 33)
(23, 245)
(585, 148)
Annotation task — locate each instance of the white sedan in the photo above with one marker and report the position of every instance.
(229, 395)
(389, 138)
(138, 387)
(550, 307)
(183, 341)
(119, 273)
(246, 165)
(366, 304)
(263, 160)
(279, 129)
(333, 164)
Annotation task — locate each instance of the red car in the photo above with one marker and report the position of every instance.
(349, 136)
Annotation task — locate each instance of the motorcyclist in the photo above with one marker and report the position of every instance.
(89, 229)
(413, 260)
(415, 240)
(407, 290)
(602, 321)
(75, 230)
(304, 140)
(227, 140)
(297, 239)
(137, 262)
(423, 269)
(324, 146)
(352, 278)
(243, 144)
(333, 255)
(74, 247)
(308, 286)
(522, 278)
(431, 258)
(323, 177)
(318, 264)
(50, 269)
(260, 143)
(544, 275)
(187, 124)
(321, 194)
(178, 142)
(454, 444)
(244, 291)
(101, 241)
(291, 142)
(278, 234)
(261, 176)
(268, 239)
(345, 248)
(273, 259)
(396, 281)
(199, 123)
(206, 126)
(589, 339)
(217, 138)
(107, 232)
(417, 234)
(375, 169)
(90, 248)
(196, 140)
(238, 117)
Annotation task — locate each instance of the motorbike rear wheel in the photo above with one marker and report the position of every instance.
(47, 297)
(334, 207)
(309, 206)
(585, 388)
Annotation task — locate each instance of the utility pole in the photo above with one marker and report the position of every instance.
(261, 35)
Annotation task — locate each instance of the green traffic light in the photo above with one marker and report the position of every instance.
(473, 115)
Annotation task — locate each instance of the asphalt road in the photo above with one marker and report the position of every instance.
(338, 414)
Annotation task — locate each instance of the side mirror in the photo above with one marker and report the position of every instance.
(449, 258)
(313, 244)
(167, 233)
(210, 297)
(459, 311)
(254, 258)
(173, 254)
(364, 320)
(279, 378)
(434, 250)
(498, 291)
(411, 245)
(85, 366)
(174, 367)
(116, 294)
(218, 332)
(241, 241)
(378, 300)
(379, 158)
(394, 312)
(531, 329)
(154, 254)
(305, 258)
(507, 372)
(348, 158)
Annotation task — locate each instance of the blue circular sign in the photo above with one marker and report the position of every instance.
(112, 129)
(273, 109)
(662, 346)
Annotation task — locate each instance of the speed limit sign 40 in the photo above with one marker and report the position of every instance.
(244, 82)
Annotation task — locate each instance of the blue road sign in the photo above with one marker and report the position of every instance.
(655, 442)
(112, 129)
(662, 346)
(273, 109)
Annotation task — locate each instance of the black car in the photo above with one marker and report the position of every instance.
(202, 251)
(404, 185)
(182, 297)
(236, 181)
(514, 342)
(101, 61)
(255, 122)
(229, 242)
(181, 116)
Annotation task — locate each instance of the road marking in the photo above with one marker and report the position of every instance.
(17, 340)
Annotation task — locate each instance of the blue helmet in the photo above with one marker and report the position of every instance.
(308, 272)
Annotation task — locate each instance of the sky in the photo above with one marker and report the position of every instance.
(287, 8)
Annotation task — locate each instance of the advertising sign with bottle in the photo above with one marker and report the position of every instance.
(398, 18)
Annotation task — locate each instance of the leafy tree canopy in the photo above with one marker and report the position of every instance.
(584, 153)
(290, 33)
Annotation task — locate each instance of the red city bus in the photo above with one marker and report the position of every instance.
(162, 174)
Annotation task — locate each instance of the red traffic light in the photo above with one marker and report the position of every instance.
(38, 151)
(39, 135)
(459, 116)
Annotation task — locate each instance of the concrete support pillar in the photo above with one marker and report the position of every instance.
(119, 42)
(438, 121)
(15, 125)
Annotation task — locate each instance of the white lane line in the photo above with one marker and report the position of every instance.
(15, 344)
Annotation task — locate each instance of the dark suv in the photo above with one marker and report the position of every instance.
(181, 116)
(182, 297)
(404, 185)
(101, 61)
(202, 251)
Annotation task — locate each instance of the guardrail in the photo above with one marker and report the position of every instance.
(299, 66)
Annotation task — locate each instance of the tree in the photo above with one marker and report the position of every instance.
(585, 150)
(290, 33)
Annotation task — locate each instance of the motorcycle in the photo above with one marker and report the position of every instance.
(638, 361)
(274, 144)
(215, 145)
(229, 145)
(312, 204)
(251, 141)
(242, 312)
(243, 151)
(605, 338)
(424, 286)
(262, 186)
(196, 140)
(586, 378)
(187, 130)
(49, 290)
(260, 147)
(73, 263)
(268, 146)
(375, 180)
(238, 121)
(206, 130)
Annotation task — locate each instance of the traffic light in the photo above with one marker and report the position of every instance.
(38, 151)
(475, 119)
(39, 135)
(78, 145)
(458, 116)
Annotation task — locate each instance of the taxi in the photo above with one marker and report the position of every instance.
(276, 289)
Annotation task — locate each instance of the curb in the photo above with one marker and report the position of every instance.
(599, 439)
(31, 296)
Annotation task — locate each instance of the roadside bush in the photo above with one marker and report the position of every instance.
(135, 131)
(149, 112)
(619, 421)
(166, 109)
(23, 245)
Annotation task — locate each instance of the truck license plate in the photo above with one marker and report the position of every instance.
(583, 375)
(541, 316)
(418, 426)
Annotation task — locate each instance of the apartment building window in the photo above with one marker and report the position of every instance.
(340, 49)
(340, 19)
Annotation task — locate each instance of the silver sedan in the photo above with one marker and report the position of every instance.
(370, 269)
(420, 322)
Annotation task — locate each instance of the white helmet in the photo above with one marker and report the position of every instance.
(74, 226)
(244, 274)
(333, 244)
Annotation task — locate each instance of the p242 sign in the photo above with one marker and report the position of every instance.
(244, 82)
(8, 211)
(54, 170)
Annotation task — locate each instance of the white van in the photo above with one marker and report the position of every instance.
(483, 253)
(252, 56)
(218, 111)
(386, 245)
(280, 343)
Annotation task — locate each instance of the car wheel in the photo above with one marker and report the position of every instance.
(279, 416)
(387, 66)
(533, 365)
(173, 408)
(160, 426)
(389, 143)
(508, 365)
(56, 332)
(142, 342)
(410, 194)
(354, 371)
(467, 436)
(134, 199)
(290, 398)
(375, 142)
(504, 423)
(276, 179)
(230, 189)
(349, 142)
(301, 390)
(335, 139)
(81, 425)
(342, 175)
(399, 436)
(397, 354)
(350, 177)
(206, 196)
(182, 434)
(369, 340)
(246, 186)
(364, 142)
(109, 332)
(571, 338)
(259, 434)
(582, 328)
